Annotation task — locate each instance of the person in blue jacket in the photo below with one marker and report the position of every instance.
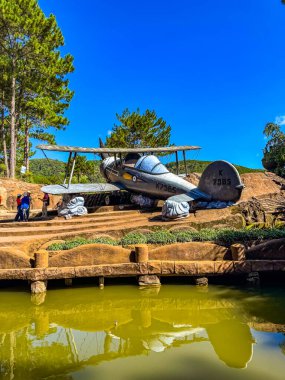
(25, 205)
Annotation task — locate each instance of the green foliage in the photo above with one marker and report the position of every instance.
(197, 166)
(133, 238)
(47, 168)
(2, 169)
(136, 130)
(53, 171)
(224, 237)
(33, 77)
(274, 151)
(161, 237)
(69, 244)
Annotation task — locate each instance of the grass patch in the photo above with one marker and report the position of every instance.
(223, 236)
(69, 244)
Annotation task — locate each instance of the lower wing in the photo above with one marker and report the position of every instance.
(81, 188)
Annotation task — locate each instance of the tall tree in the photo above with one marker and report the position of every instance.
(274, 151)
(136, 130)
(36, 73)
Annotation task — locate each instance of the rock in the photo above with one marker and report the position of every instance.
(253, 279)
(38, 287)
(201, 281)
(149, 280)
(268, 250)
(142, 200)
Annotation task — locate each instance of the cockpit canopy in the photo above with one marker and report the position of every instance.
(150, 164)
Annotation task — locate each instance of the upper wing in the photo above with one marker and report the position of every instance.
(169, 149)
(191, 195)
(81, 188)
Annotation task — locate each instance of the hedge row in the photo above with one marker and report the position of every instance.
(223, 236)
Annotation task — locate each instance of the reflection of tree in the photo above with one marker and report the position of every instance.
(22, 358)
(282, 347)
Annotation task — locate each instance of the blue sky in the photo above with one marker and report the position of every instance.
(214, 70)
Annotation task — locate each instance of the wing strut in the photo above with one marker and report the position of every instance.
(72, 169)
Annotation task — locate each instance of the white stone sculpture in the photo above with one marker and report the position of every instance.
(72, 206)
(175, 210)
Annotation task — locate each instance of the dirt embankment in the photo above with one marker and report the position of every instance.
(9, 188)
(262, 200)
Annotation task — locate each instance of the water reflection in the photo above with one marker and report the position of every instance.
(75, 328)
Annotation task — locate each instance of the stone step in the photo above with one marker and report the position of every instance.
(74, 221)
(27, 230)
(115, 230)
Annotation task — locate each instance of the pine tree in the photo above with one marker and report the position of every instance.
(136, 130)
(38, 92)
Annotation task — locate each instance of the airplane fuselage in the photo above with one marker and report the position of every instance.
(158, 186)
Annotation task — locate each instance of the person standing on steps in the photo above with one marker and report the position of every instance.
(30, 204)
(45, 201)
(19, 211)
(25, 207)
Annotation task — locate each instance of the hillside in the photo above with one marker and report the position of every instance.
(197, 166)
(53, 171)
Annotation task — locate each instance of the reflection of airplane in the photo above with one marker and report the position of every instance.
(139, 171)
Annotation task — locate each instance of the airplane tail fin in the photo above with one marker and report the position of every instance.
(103, 155)
(221, 181)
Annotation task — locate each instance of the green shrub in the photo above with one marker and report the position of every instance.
(134, 238)
(161, 237)
(184, 236)
(69, 244)
(206, 234)
(223, 236)
(104, 240)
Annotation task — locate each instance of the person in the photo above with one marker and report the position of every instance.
(30, 204)
(45, 201)
(19, 210)
(25, 205)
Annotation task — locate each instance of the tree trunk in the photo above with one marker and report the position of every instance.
(3, 136)
(13, 130)
(27, 146)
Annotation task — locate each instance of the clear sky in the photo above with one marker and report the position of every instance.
(214, 70)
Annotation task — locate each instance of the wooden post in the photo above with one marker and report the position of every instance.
(101, 282)
(68, 281)
(41, 261)
(238, 252)
(141, 253)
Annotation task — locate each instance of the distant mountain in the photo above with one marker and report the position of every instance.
(197, 166)
(53, 171)
(46, 167)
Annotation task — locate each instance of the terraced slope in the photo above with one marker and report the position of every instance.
(112, 223)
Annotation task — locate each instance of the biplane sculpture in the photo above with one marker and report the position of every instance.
(139, 172)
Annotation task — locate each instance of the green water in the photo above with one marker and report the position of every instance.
(122, 332)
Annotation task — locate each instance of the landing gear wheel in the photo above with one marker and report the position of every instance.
(107, 200)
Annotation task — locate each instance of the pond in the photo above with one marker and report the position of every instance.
(123, 332)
